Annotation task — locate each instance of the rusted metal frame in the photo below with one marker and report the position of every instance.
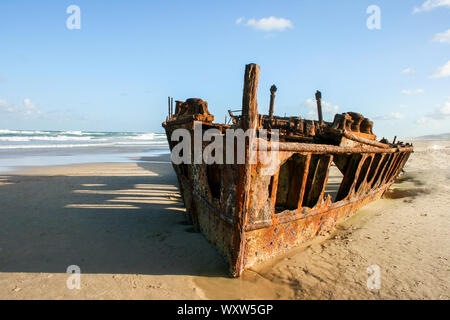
(319, 181)
(362, 187)
(313, 167)
(393, 165)
(380, 170)
(325, 181)
(370, 182)
(350, 173)
(352, 191)
(398, 167)
(320, 148)
(273, 194)
(386, 169)
(294, 188)
(292, 215)
(210, 206)
(249, 121)
(304, 180)
(374, 143)
(401, 165)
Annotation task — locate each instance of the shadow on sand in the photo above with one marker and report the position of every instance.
(104, 224)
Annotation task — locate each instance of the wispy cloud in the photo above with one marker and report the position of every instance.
(268, 24)
(438, 114)
(327, 107)
(443, 71)
(443, 37)
(416, 91)
(239, 20)
(390, 116)
(408, 71)
(432, 4)
(27, 109)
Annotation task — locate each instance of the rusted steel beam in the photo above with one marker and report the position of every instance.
(380, 169)
(362, 178)
(374, 143)
(395, 163)
(386, 169)
(320, 148)
(274, 188)
(249, 121)
(304, 180)
(326, 173)
(249, 99)
(353, 188)
(374, 166)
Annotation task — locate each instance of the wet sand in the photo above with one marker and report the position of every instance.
(123, 225)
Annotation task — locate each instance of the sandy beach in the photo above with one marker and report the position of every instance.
(123, 224)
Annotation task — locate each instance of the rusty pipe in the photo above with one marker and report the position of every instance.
(319, 105)
(273, 89)
(263, 145)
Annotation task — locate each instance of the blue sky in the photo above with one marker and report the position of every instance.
(115, 73)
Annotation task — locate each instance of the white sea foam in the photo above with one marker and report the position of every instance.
(28, 139)
(149, 136)
(23, 132)
(47, 138)
(51, 146)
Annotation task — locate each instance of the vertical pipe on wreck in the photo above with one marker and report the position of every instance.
(273, 89)
(168, 106)
(319, 105)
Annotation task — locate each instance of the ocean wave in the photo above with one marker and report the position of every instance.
(149, 136)
(47, 138)
(23, 139)
(23, 132)
(51, 146)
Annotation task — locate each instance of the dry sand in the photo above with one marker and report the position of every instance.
(123, 225)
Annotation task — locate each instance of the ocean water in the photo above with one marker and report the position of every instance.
(21, 148)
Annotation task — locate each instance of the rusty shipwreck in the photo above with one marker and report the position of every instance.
(249, 216)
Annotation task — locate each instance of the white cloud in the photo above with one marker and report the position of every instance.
(443, 37)
(390, 116)
(432, 4)
(27, 109)
(408, 71)
(443, 71)
(413, 91)
(239, 20)
(270, 24)
(440, 113)
(327, 108)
